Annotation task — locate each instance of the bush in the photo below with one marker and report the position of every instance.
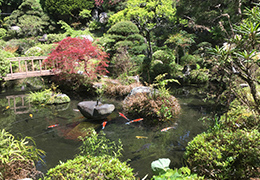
(52, 38)
(40, 50)
(89, 167)
(98, 160)
(2, 33)
(239, 117)
(22, 44)
(48, 96)
(17, 156)
(124, 28)
(198, 76)
(155, 107)
(30, 18)
(163, 56)
(224, 154)
(4, 63)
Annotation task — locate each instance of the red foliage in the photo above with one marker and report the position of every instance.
(74, 55)
(106, 2)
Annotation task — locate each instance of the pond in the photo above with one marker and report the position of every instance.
(60, 142)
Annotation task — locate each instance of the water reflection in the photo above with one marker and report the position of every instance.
(59, 143)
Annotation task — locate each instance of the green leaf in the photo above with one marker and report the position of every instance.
(160, 166)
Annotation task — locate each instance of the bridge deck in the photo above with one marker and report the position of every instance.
(27, 67)
(22, 75)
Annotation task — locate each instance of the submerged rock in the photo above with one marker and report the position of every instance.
(95, 110)
(58, 99)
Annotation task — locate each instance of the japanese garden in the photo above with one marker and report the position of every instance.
(129, 89)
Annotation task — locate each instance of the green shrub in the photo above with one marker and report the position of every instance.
(17, 153)
(158, 105)
(223, 154)
(39, 50)
(123, 28)
(48, 96)
(188, 59)
(239, 117)
(4, 63)
(22, 44)
(98, 160)
(91, 167)
(198, 76)
(29, 16)
(163, 56)
(2, 33)
(52, 38)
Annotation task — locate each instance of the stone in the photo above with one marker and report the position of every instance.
(103, 17)
(95, 110)
(87, 37)
(15, 28)
(59, 99)
(141, 89)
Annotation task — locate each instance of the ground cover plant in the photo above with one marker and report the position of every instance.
(17, 157)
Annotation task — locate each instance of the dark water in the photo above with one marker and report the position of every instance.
(59, 143)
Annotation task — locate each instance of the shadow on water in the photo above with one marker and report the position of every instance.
(141, 145)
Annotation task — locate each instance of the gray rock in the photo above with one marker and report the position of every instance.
(95, 14)
(15, 28)
(95, 110)
(142, 89)
(103, 17)
(87, 37)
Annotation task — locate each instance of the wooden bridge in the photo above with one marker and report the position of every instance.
(18, 103)
(23, 67)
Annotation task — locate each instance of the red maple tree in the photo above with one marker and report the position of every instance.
(77, 56)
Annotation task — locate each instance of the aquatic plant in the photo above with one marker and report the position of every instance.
(97, 160)
(162, 171)
(16, 153)
(48, 96)
(98, 145)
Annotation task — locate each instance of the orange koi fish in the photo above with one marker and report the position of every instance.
(104, 124)
(136, 120)
(166, 129)
(53, 126)
(31, 115)
(7, 107)
(121, 114)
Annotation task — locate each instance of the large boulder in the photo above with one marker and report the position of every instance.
(141, 89)
(95, 109)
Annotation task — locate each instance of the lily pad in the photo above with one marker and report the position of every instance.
(160, 166)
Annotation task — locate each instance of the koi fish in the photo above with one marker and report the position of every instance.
(7, 107)
(121, 114)
(141, 137)
(166, 129)
(53, 126)
(77, 110)
(31, 115)
(136, 120)
(144, 147)
(104, 124)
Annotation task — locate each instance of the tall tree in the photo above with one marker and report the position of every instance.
(30, 18)
(147, 15)
(66, 10)
(239, 60)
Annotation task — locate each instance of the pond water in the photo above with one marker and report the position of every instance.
(59, 143)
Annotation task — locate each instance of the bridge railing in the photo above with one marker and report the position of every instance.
(22, 67)
(27, 64)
